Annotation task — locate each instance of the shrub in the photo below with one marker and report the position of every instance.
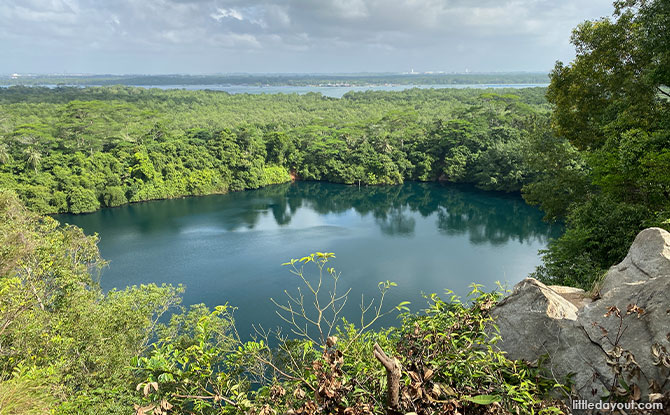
(82, 200)
(443, 360)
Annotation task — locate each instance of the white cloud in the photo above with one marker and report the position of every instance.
(223, 13)
(355, 35)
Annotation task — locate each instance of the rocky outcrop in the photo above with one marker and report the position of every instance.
(536, 322)
(626, 330)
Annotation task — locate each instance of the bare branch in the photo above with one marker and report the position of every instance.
(393, 371)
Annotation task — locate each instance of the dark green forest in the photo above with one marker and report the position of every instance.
(592, 151)
(76, 150)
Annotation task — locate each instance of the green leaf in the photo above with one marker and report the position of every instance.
(483, 399)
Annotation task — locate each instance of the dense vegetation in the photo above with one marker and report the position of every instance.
(61, 339)
(282, 79)
(597, 155)
(613, 105)
(76, 150)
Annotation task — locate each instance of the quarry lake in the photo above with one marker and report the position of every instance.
(426, 237)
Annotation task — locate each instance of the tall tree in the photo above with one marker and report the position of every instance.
(33, 157)
(612, 104)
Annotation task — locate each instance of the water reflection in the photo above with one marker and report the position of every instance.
(396, 222)
(487, 218)
(228, 248)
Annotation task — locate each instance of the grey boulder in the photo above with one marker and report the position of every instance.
(626, 330)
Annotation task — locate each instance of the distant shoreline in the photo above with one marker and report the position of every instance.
(274, 80)
(330, 91)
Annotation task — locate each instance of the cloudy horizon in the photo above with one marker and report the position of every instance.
(288, 36)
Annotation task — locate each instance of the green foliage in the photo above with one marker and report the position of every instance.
(275, 175)
(82, 200)
(598, 234)
(446, 352)
(190, 369)
(449, 352)
(56, 325)
(25, 394)
(96, 147)
(612, 104)
(560, 175)
(114, 196)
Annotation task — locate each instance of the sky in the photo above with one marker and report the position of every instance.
(279, 36)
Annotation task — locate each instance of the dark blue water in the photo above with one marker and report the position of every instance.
(426, 237)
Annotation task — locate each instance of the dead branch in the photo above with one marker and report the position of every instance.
(392, 366)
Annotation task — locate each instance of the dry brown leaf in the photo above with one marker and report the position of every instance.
(636, 393)
(428, 374)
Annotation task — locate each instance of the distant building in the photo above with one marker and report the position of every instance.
(15, 76)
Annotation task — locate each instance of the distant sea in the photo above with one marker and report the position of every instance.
(328, 91)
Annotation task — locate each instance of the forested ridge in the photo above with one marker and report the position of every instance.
(594, 153)
(76, 150)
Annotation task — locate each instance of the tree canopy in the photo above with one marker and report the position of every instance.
(77, 150)
(613, 104)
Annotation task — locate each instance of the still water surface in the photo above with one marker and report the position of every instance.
(426, 237)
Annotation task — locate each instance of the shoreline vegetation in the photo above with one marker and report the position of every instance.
(107, 146)
(594, 152)
(162, 144)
